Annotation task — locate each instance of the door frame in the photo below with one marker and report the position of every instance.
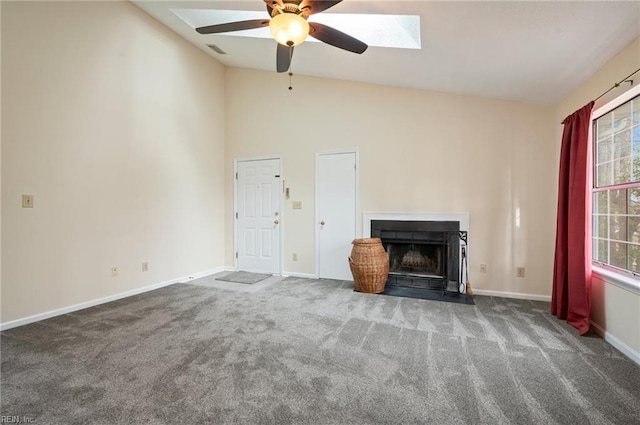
(357, 200)
(235, 208)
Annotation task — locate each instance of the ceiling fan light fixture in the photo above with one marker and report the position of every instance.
(289, 29)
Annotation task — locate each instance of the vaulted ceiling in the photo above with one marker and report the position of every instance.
(536, 52)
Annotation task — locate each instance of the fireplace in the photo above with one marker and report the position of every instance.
(423, 253)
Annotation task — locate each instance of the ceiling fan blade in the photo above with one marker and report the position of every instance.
(233, 26)
(283, 57)
(317, 6)
(336, 38)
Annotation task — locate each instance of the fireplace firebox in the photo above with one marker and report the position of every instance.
(422, 254)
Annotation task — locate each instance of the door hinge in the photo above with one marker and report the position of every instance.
(354, 166)
(236, 255)
(236, 215)
(236, 176)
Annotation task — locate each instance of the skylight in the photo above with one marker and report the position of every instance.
(396, 31)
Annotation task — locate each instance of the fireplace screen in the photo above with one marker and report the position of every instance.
(422, 254)
(415, 259)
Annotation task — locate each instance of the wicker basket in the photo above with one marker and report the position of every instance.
(369, 265)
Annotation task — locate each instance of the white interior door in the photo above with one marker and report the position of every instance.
(336, 213)
(258, 215)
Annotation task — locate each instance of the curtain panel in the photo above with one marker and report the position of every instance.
(571, 295)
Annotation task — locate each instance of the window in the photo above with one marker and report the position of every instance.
(616, 183)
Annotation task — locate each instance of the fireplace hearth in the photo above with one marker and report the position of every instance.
(422, 254)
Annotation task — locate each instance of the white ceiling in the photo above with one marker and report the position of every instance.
(537, 52)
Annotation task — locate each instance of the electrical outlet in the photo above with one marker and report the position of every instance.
(114, 271)
(297, 205)
(483, 268)
(294, 257)
(145, 266)
(27, 201)
(519, 271)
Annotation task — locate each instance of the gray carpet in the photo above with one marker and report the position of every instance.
(312, 352)
(243, 277)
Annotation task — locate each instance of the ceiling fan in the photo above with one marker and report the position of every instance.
(289, 27)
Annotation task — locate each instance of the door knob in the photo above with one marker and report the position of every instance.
(322, 223)
(275, 222)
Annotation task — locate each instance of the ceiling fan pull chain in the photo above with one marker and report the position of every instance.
(290, 73)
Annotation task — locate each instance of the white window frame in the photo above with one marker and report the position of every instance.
(625, 280)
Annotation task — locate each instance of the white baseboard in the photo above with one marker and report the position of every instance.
(621, 346)
(516, 295)
(64, 310)
(294, 274)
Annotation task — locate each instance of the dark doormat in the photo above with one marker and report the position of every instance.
(244, 277)
(429, 294)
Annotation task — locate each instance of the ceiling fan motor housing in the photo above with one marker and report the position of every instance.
(288, 8)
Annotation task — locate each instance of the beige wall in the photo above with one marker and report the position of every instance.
(116, 126)
(419, 152)
(615, 309)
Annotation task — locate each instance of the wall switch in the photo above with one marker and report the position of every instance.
(114, 271)
(483, 268)
(294, 257)
(145, 266)
(519, 271)
(297, 205)
(27, 201)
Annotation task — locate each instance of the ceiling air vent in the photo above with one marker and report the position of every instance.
(216, 49)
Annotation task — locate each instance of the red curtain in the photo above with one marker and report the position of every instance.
(571, 296)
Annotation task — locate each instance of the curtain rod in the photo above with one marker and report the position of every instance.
(616, 85)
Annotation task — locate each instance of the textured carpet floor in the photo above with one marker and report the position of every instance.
(316, 352)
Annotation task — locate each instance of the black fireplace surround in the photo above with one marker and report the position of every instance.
(422, 254)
